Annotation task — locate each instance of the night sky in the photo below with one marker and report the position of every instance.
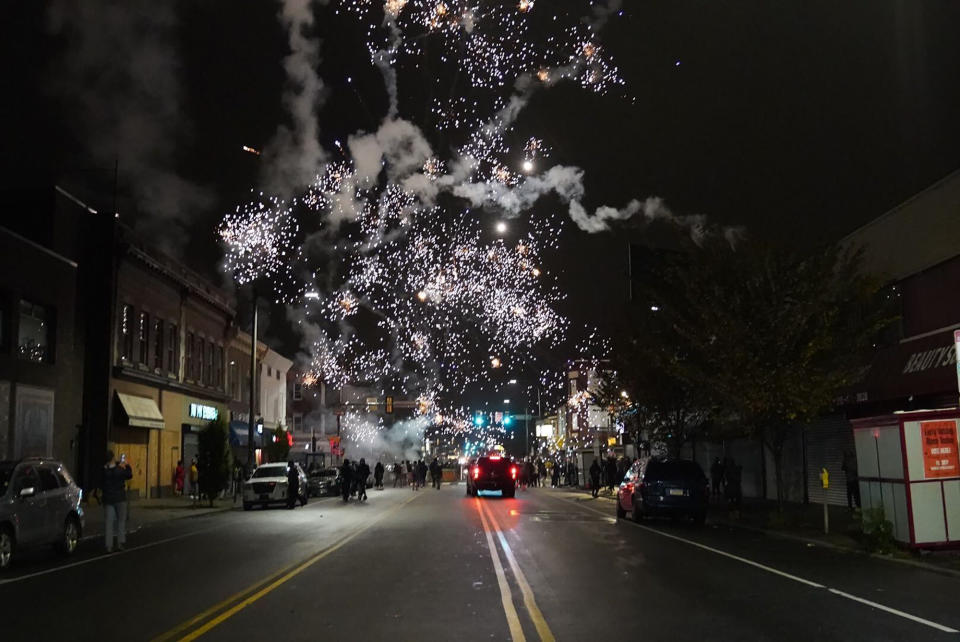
(797, 120)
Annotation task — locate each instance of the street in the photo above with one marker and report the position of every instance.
(550, 564)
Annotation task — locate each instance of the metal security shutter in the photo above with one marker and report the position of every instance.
(826, 440)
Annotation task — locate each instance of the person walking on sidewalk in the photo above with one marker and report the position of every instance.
(115, 476)
(363, 471)
(595, 478)
(611, 472)
(853, 479)
(378, 476)
(237, 481)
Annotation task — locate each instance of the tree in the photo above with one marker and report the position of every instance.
(279, 446)
(214, 459)
(772, 338)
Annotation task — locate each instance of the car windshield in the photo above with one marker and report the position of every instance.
(279, 470)
(6, 471)
(673, 470)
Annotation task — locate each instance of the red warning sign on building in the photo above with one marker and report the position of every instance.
(940, 456)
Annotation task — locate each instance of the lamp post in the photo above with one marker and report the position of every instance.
(251, 457)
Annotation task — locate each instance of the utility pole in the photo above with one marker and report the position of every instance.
(251, 458)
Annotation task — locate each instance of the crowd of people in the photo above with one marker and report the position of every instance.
(538, 471)
(354, 476)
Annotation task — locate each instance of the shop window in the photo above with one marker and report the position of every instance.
(158, 337)
(35, 334)
(126, 332)
(189, 356)
(210, 374)
(218, 367)
(173, 342)
(297, 391)
(143, 337)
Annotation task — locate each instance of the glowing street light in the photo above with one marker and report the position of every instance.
(501, 227)
(527, 166)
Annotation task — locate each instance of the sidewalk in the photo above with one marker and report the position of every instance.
(143, 512)
(804, 523)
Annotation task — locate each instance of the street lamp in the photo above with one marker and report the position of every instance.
(501, 227)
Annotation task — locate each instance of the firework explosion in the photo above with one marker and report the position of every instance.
(420, 296)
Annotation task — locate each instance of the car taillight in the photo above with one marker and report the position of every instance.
(476, 472)
(629, 488)
(513, 472)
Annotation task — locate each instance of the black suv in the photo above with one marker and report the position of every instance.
(493, 472)
(671, 487)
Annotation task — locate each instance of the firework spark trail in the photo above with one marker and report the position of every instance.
(402, 227)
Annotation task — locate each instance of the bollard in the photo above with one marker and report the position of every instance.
(825, 482)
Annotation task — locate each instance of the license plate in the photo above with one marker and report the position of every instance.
(675, 492)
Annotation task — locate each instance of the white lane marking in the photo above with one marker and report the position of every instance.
(506, 596)
(892, 611)
(888, 609)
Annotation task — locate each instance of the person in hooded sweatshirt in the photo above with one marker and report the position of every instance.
(293, 484)
(363, 471)
(378, 476)
(346, 479)
(595, 478)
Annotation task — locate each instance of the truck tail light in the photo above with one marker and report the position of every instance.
(513, 472)
(476, 472)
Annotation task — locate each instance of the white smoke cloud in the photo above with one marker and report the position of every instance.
(368, 437)
(119, 79)
(294, 155)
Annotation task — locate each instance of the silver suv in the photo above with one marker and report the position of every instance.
(39, 504)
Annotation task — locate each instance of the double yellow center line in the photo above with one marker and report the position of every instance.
(491, 526)
(203, 622)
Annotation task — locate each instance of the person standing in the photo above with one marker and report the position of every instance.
(611, 472)
(595, 478)
(178, 475)
(555, 479)
(346, 479)
(194, 480)
(378, 476)
(853, 479)
(293, 485)
(363, 471)
(115, 476)
(716, 476)
(398, 475)
(436, 473)
(421, 473)
(237, 481)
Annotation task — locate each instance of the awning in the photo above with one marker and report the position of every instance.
(238, 434)
(141, 412)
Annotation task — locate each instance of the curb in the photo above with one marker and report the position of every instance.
(209, 511)
(933, 568)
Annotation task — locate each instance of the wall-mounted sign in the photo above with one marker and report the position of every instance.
(940, 457)
(200, 411)
(545, 430)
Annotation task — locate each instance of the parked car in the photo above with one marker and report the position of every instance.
(39, 505)
(493, 472)
(268, 485)
(668, 487)
(323, 482)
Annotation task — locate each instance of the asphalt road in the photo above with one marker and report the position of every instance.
(435, 565)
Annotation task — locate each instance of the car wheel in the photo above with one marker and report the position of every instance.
(6, 547)
(510, 493)
(636, 513)
(247, 506)
(71, 536)
(620, 512)
(303, 500)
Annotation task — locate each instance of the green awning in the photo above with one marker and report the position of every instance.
(141, 412)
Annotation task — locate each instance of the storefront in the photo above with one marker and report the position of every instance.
(184, 417)
(135, 428)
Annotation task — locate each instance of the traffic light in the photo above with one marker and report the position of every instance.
(388, 405)
(507, 420)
